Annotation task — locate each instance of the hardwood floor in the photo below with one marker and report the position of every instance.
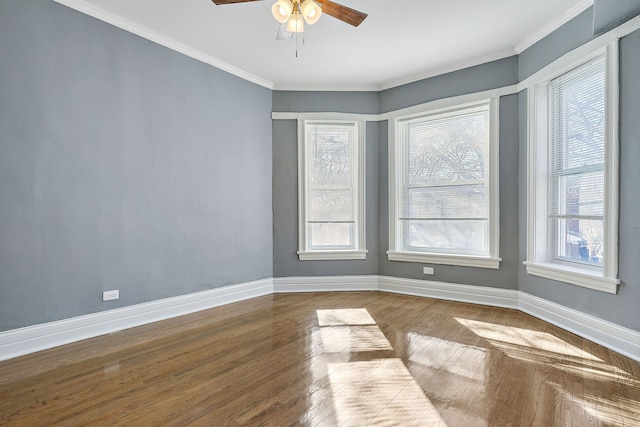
(321, 360)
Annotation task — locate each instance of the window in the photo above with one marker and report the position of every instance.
(443, 186)
(573, 155)
(331, 190)
(577, 112)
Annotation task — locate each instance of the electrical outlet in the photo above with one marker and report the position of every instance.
(427, 270)
(111, 295)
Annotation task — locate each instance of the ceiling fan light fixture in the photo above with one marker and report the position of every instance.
(310, 11)
(281, 10)
(295, 23)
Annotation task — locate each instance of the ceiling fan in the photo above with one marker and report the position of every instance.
(294, 13)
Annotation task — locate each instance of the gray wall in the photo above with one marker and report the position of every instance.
(123, 165)
(610, 13)
(334, 102)
(491, 75)
(623, 307)
(571, 35)
(285, 182)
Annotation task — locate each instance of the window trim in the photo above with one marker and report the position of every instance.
(539, 260)
(492, 260)
(359, 252)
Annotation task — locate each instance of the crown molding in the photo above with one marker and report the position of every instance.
(111, 18)
(552, 26)
(139, 30)
(448, 69)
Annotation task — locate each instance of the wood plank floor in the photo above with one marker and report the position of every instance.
(328, 359)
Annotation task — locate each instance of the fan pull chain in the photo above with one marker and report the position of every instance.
(297, 43)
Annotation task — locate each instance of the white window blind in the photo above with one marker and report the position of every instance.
(444, 193)
(572, 172)
(331, 185)
(577, 173)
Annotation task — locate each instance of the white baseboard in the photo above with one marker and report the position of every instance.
(40, 337)
(325, 284)
(27, 340)
(615, 337)
(450, 291)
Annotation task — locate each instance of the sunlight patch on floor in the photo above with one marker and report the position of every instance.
(379, 392)
(465, 360)
(611, 412)
(524, 338)
(344, 317)
(544, 348)
(369, 392)
(339, 339)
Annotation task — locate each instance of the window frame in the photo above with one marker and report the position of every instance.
(305, 252)
(396, 248)
(540, 258)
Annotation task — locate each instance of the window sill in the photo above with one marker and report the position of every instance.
(574, 276)
(460, 260)
(331, 255)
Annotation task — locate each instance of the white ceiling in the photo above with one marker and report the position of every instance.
(400, 41)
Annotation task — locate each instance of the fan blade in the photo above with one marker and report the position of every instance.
(219, 2)
(283, 34)
(343, 13)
